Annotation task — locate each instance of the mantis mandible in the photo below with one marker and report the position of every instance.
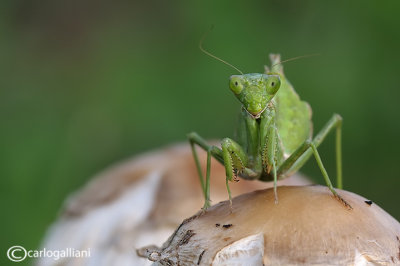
(274, 133)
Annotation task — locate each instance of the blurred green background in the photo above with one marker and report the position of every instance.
(85, 84)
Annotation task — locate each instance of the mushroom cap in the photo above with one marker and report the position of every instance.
(137, 202)
(307, 226)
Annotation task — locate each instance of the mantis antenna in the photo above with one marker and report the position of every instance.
(213, 56)
(295, 58)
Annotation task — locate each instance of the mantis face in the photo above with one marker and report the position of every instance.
(255, 91)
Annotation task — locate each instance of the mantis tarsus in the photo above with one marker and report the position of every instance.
(274, 134)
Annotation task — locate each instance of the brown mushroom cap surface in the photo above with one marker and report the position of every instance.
(307, 226)
(138, 202)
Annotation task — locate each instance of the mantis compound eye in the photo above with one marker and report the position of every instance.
(236, 84)
(273, 84)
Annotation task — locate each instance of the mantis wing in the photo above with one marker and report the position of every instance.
(293, 116)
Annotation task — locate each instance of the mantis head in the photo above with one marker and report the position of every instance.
(255, 91)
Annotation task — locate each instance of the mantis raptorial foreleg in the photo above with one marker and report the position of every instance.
(235, 161)
(231, 155)
(269, 142)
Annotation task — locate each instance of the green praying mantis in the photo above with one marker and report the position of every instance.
(274, 136)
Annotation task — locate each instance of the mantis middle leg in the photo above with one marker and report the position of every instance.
(194, 138)
(303, 153)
